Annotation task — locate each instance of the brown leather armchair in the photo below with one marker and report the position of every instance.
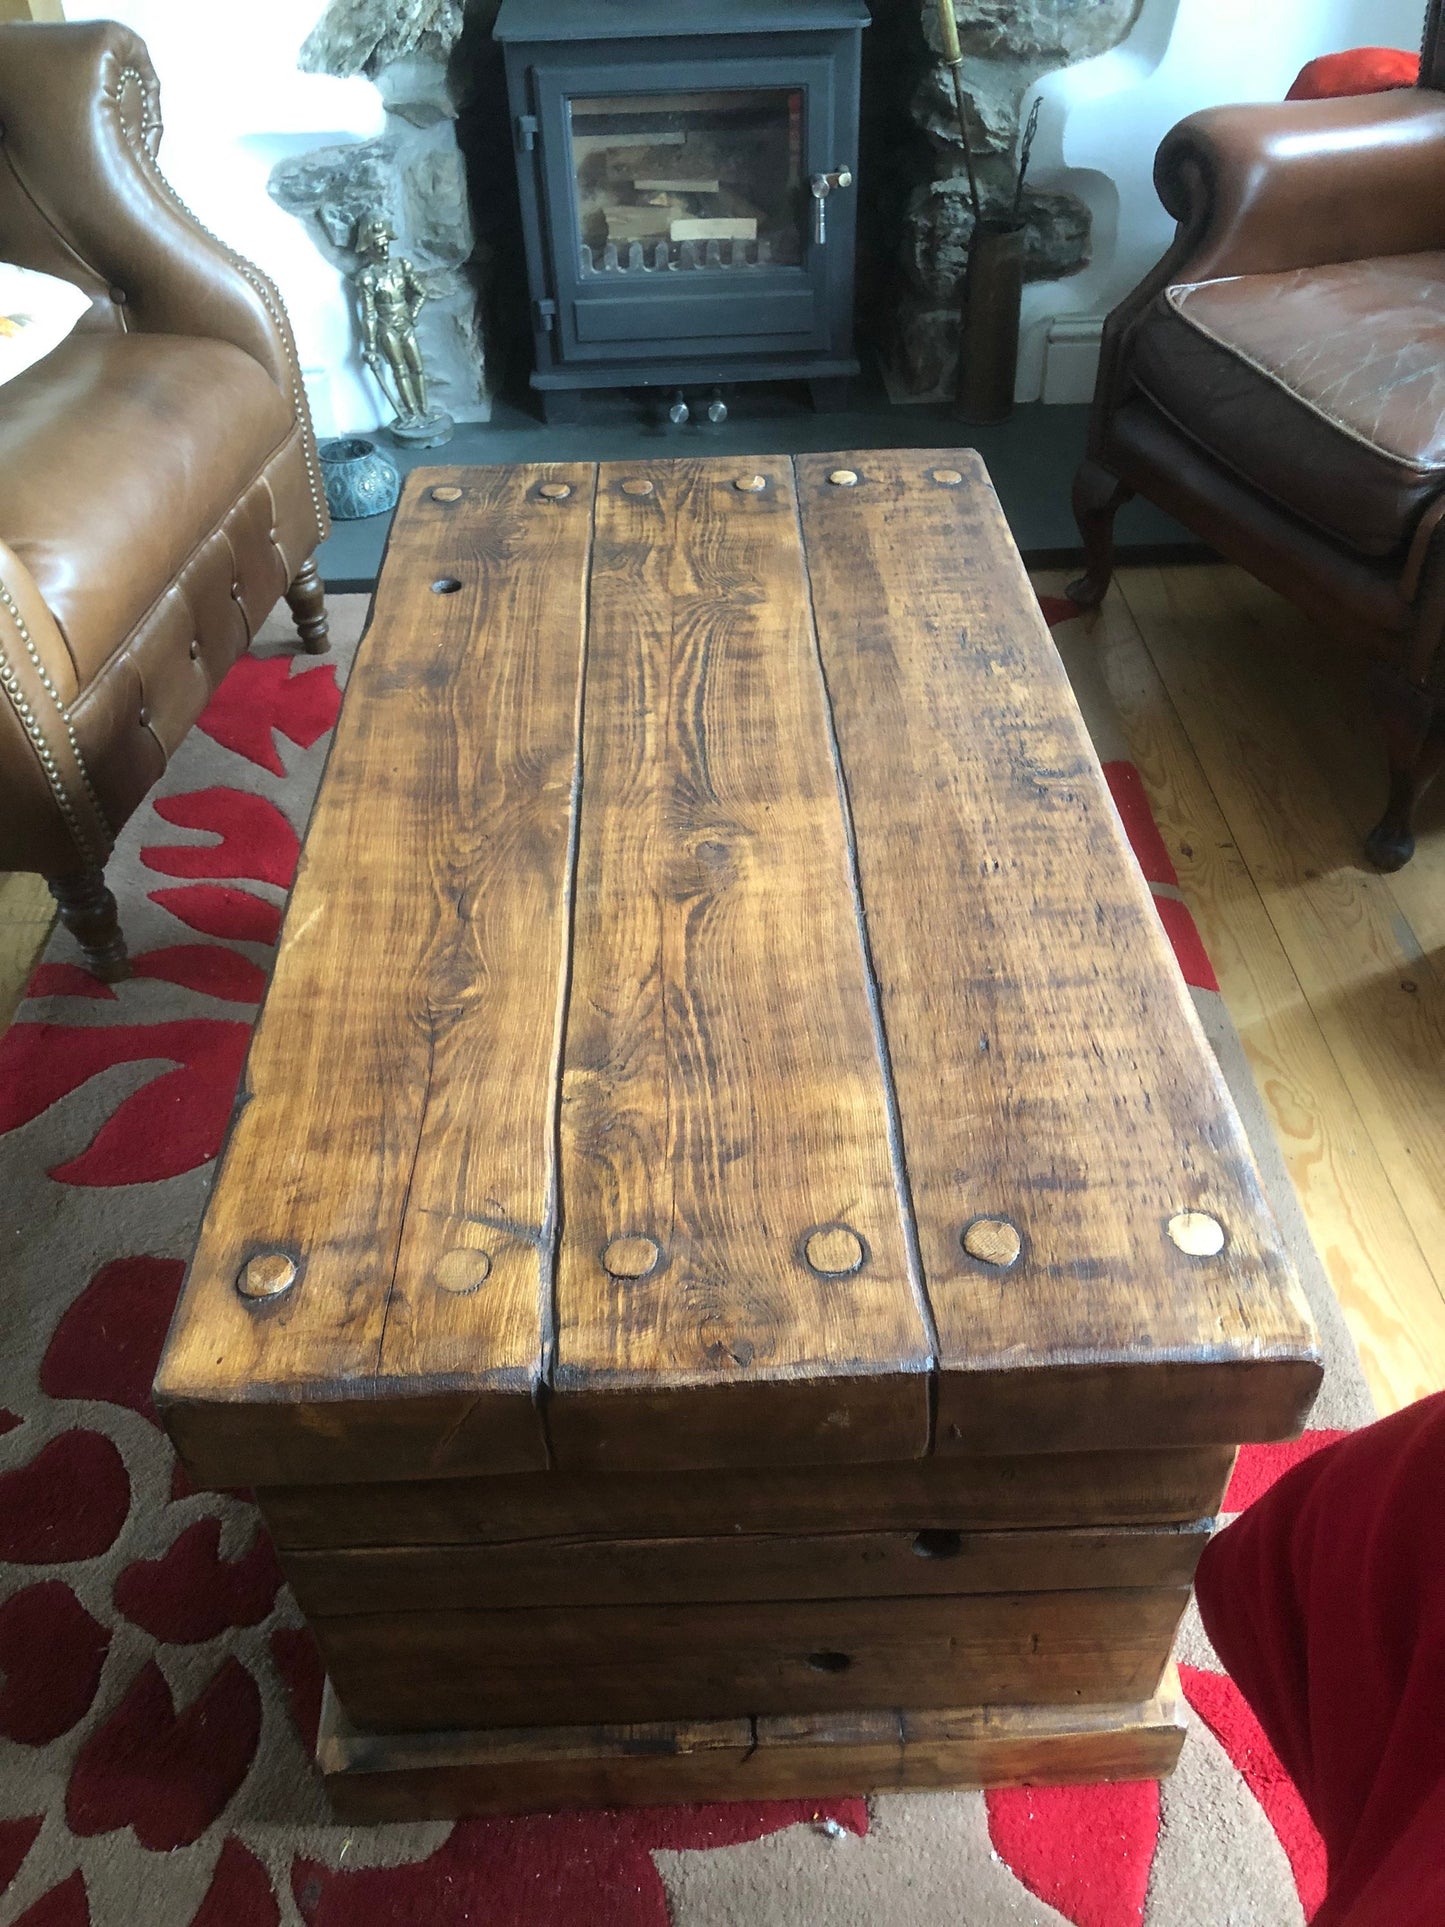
(1277, 384)
(159, 487)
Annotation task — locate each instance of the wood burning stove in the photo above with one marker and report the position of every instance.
(687, 190)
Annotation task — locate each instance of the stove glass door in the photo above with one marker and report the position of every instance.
(678, 217)
(707, 182)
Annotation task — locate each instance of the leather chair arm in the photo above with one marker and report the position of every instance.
(1261, 189)
(80, 110)
(50, 815)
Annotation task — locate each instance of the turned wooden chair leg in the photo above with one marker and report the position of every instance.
(87, 909)
(1098, 498)
(1415, 746)
(307, 600)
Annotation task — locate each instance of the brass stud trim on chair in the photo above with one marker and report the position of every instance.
(844, 478)
(638, 486)
(447, 494)
(554, 491)
(751, 484)
(945, 477)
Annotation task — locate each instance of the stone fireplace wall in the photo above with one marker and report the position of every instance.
(422, 112)
(414, 173)
(914, 158)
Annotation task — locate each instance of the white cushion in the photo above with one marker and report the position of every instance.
(37, 312)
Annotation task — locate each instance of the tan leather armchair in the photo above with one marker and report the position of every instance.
(1277, 384)
(159, 487)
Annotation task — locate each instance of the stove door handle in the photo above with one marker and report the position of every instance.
(821, 186)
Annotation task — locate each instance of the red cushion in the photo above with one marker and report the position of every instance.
(1363, 70)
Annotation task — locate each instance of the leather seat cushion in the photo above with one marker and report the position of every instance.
(118, 455)
(1324, 387)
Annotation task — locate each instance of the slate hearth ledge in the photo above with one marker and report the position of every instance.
(1031, 458)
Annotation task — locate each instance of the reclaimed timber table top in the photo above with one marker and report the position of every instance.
(719, 1020)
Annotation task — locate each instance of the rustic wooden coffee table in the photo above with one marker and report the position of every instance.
(736, 1272)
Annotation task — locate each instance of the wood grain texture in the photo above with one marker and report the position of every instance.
(722, 1090)
(836, 1565)
(373, 1777)
(951, 1494)
(1049, 1066)
(1372, 982)
(1373, 1259)
(550, 1665)
(397, 1103)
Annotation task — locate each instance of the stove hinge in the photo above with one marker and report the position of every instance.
(526, 133)
(546, 315)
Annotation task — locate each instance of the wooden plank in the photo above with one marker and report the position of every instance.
(1370, 1253)
(397, 1103)
(950, 1494)
(551, 1665)
(722, 1094)
(1050, 1069)
(1339, 923)
(669, 1572)
(371, 1778)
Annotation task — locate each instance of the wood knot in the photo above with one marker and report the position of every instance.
(1196, 1234)
(946, 477)
(554, 491)
(834, 1251)
(751, 484)
(632, 1256)
(639, 486)
(993, 1241)
(447, 494)
(266, 1275)
(463, 1269)
(844, 478)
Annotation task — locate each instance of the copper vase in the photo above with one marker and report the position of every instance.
(989, 348)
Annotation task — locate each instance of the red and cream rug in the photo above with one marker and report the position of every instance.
(160, 1693)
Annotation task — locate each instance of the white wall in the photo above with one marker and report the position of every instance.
(1104, 119)
(234, 104)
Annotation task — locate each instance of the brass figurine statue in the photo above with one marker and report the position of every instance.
(391, 297)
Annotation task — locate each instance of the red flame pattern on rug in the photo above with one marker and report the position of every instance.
(168, 1765)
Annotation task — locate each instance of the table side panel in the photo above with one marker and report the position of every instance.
(947, 1494)
(596, 1663)
(1049, 1065)
(671, 1572)
(372, 1777)
(398, 1104)
(722, 1092)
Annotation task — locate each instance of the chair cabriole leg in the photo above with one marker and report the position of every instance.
(306, 598)
(1415, 747)
(1098, 497)
(88, 911)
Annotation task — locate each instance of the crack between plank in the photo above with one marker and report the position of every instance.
(896, 1148)
(431, 1060)
(550, 1246)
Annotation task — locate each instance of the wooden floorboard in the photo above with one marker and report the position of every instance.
(27, 913)
(1369, 1249)
(1339, 1003)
